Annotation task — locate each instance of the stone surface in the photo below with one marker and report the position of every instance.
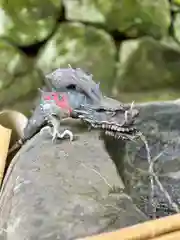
(151, 64)
(26, 22)
(87, 11)
(87, 47)
(133, 18)
(18, 79)
(160, 124)
(63, 191)
(176, 25)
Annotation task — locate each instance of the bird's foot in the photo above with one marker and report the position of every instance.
(57, 135)
(45, 129)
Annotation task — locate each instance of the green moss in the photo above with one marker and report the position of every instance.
(26, 22)
(147, 64)
(18, 78)
(132, 17)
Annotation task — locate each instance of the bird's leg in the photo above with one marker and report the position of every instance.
(55, 133)
(66, 132)
(46, 129)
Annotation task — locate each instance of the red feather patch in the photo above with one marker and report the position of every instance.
(61, 100)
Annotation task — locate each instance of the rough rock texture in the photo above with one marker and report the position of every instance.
(87, 11)
(177, 26)
(85, 47)
(18, 79)
(29, 21)
(131, 17)
(160, 124)
(64, 191)
(151, 64)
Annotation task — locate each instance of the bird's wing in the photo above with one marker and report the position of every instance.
(63, 78)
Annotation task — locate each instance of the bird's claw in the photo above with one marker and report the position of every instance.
(44, 129)
(56, 135)
(66, 132)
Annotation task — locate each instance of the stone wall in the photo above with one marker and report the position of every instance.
(130, 46)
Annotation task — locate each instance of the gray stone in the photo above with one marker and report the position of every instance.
(63, 191)
(27, 22)
(159, 123)
(82, 46)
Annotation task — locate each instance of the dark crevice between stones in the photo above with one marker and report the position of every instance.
(171, 28)
(118, 39)
(62, 15)
(174, 10)
(32, 50)
(118, 36)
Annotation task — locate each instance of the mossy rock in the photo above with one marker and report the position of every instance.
(18, 79)
(81, 46)
(26, 22)
(176, 26)
(132, 17)
(146, 64)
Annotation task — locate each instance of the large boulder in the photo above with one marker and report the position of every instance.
(133, 18)
(81, 46)
(64, 190)
(27, 22)
(19, 80)
(146, 65)
(152, 177)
